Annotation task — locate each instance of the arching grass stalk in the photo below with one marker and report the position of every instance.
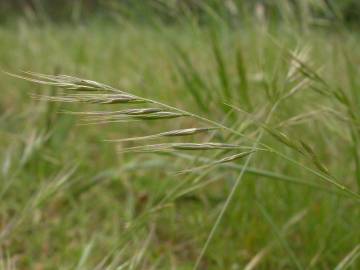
(94, 92)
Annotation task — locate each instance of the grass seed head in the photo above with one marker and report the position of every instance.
(186, 132)
(183, 147)
(204, 146)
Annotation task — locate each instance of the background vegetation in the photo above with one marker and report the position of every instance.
(284, 73)
(173, 10)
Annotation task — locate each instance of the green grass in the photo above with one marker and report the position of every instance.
(71, 200)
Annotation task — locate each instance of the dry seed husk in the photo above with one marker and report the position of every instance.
(99, 99)
(133, 117)
(139, 111)
(111, 113)
(220, 161)
(185, 132)
(68, 82)
(203, 146)
(158, 115)
(234, 157)
(172, 133)
(183, 146)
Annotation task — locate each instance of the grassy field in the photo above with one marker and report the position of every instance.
(286, 107)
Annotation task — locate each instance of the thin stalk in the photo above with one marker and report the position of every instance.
(232, 192)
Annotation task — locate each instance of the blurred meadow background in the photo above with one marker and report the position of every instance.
(240, 129)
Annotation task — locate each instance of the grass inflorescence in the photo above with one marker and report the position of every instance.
(168, 174)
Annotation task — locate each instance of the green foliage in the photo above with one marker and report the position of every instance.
(232, 12)
(193, 121)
